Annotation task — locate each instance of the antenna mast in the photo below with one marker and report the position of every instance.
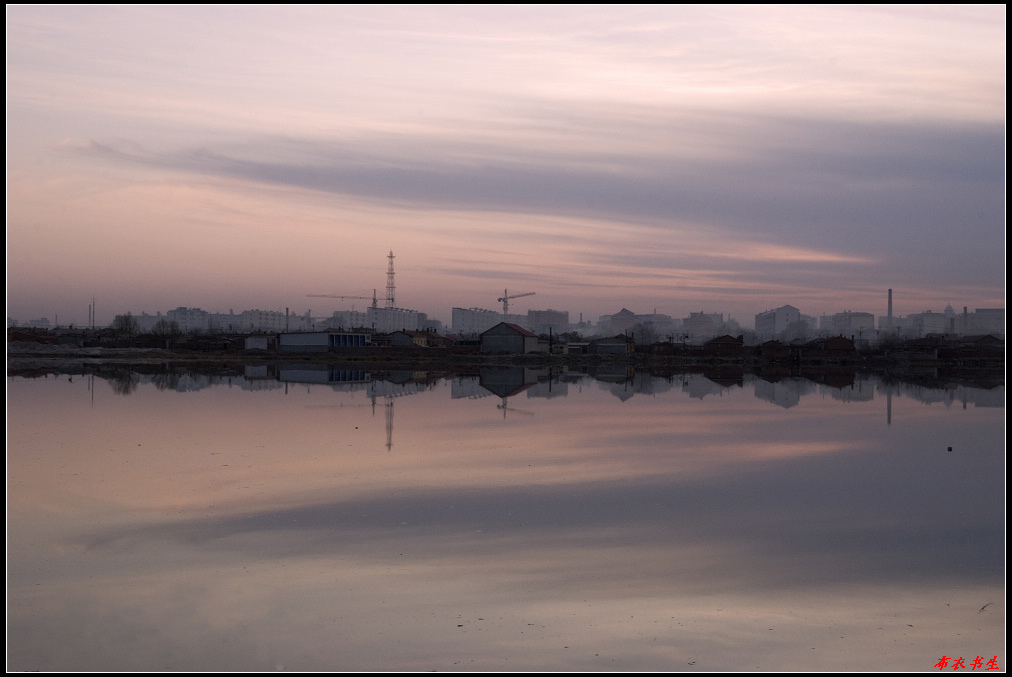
(390, 280)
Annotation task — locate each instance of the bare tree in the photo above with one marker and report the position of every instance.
(644, 333)
(126, 325)
(166, 329)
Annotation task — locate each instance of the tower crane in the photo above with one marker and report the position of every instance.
(345, 296)
(506, 296)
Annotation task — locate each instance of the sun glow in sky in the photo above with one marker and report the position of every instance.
(682, 159)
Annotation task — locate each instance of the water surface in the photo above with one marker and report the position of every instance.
(508, 521)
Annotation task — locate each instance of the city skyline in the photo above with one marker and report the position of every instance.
(683, 158)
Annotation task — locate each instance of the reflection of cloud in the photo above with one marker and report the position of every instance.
(799, 521)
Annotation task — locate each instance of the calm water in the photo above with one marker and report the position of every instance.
(501, 523)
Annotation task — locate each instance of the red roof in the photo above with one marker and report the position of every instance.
(519, 329)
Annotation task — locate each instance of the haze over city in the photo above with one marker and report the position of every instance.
(682, 159)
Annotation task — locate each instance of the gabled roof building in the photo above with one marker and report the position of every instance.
(506, 337)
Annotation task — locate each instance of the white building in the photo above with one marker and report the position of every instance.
(347, 319)
(386, 320)
(190, 319)
(474, 320)
(268, 321)
(773, 322)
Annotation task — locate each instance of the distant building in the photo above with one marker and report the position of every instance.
(421, 339)
(474, 320)
(702, 325)
(227, 323)
(548, 321)
(647, 328)
(620, 344)
(189, 319)
(347, 319)
(619, 323)
(774, 322)
(262, 321)
(930, 322)
(829, 349)
(386, 320)
(985, 321)
(429, 324)
(725, 346)
(848, 323)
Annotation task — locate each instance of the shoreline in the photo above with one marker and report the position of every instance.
(40, 360)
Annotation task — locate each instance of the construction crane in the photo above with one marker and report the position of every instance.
(506, 296)
(344, 296)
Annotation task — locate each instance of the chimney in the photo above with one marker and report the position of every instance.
(890, 309)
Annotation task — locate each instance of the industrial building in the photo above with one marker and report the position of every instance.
(322, 341)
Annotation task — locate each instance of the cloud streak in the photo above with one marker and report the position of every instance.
(816, 137)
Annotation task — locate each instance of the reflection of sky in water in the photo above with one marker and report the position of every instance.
(645, 524)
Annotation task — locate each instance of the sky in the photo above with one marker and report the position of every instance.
(669, 159)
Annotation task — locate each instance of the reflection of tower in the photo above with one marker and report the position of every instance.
(390, 280)
(505, 407)
(390, 421)
(889, 405)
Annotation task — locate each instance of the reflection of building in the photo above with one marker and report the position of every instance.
(507, 381)
(322, 374)
(785, 392)
(861, 389)
(468, 387)
(697, 385)
(549, 387)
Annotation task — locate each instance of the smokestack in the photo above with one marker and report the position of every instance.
(890, 309)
